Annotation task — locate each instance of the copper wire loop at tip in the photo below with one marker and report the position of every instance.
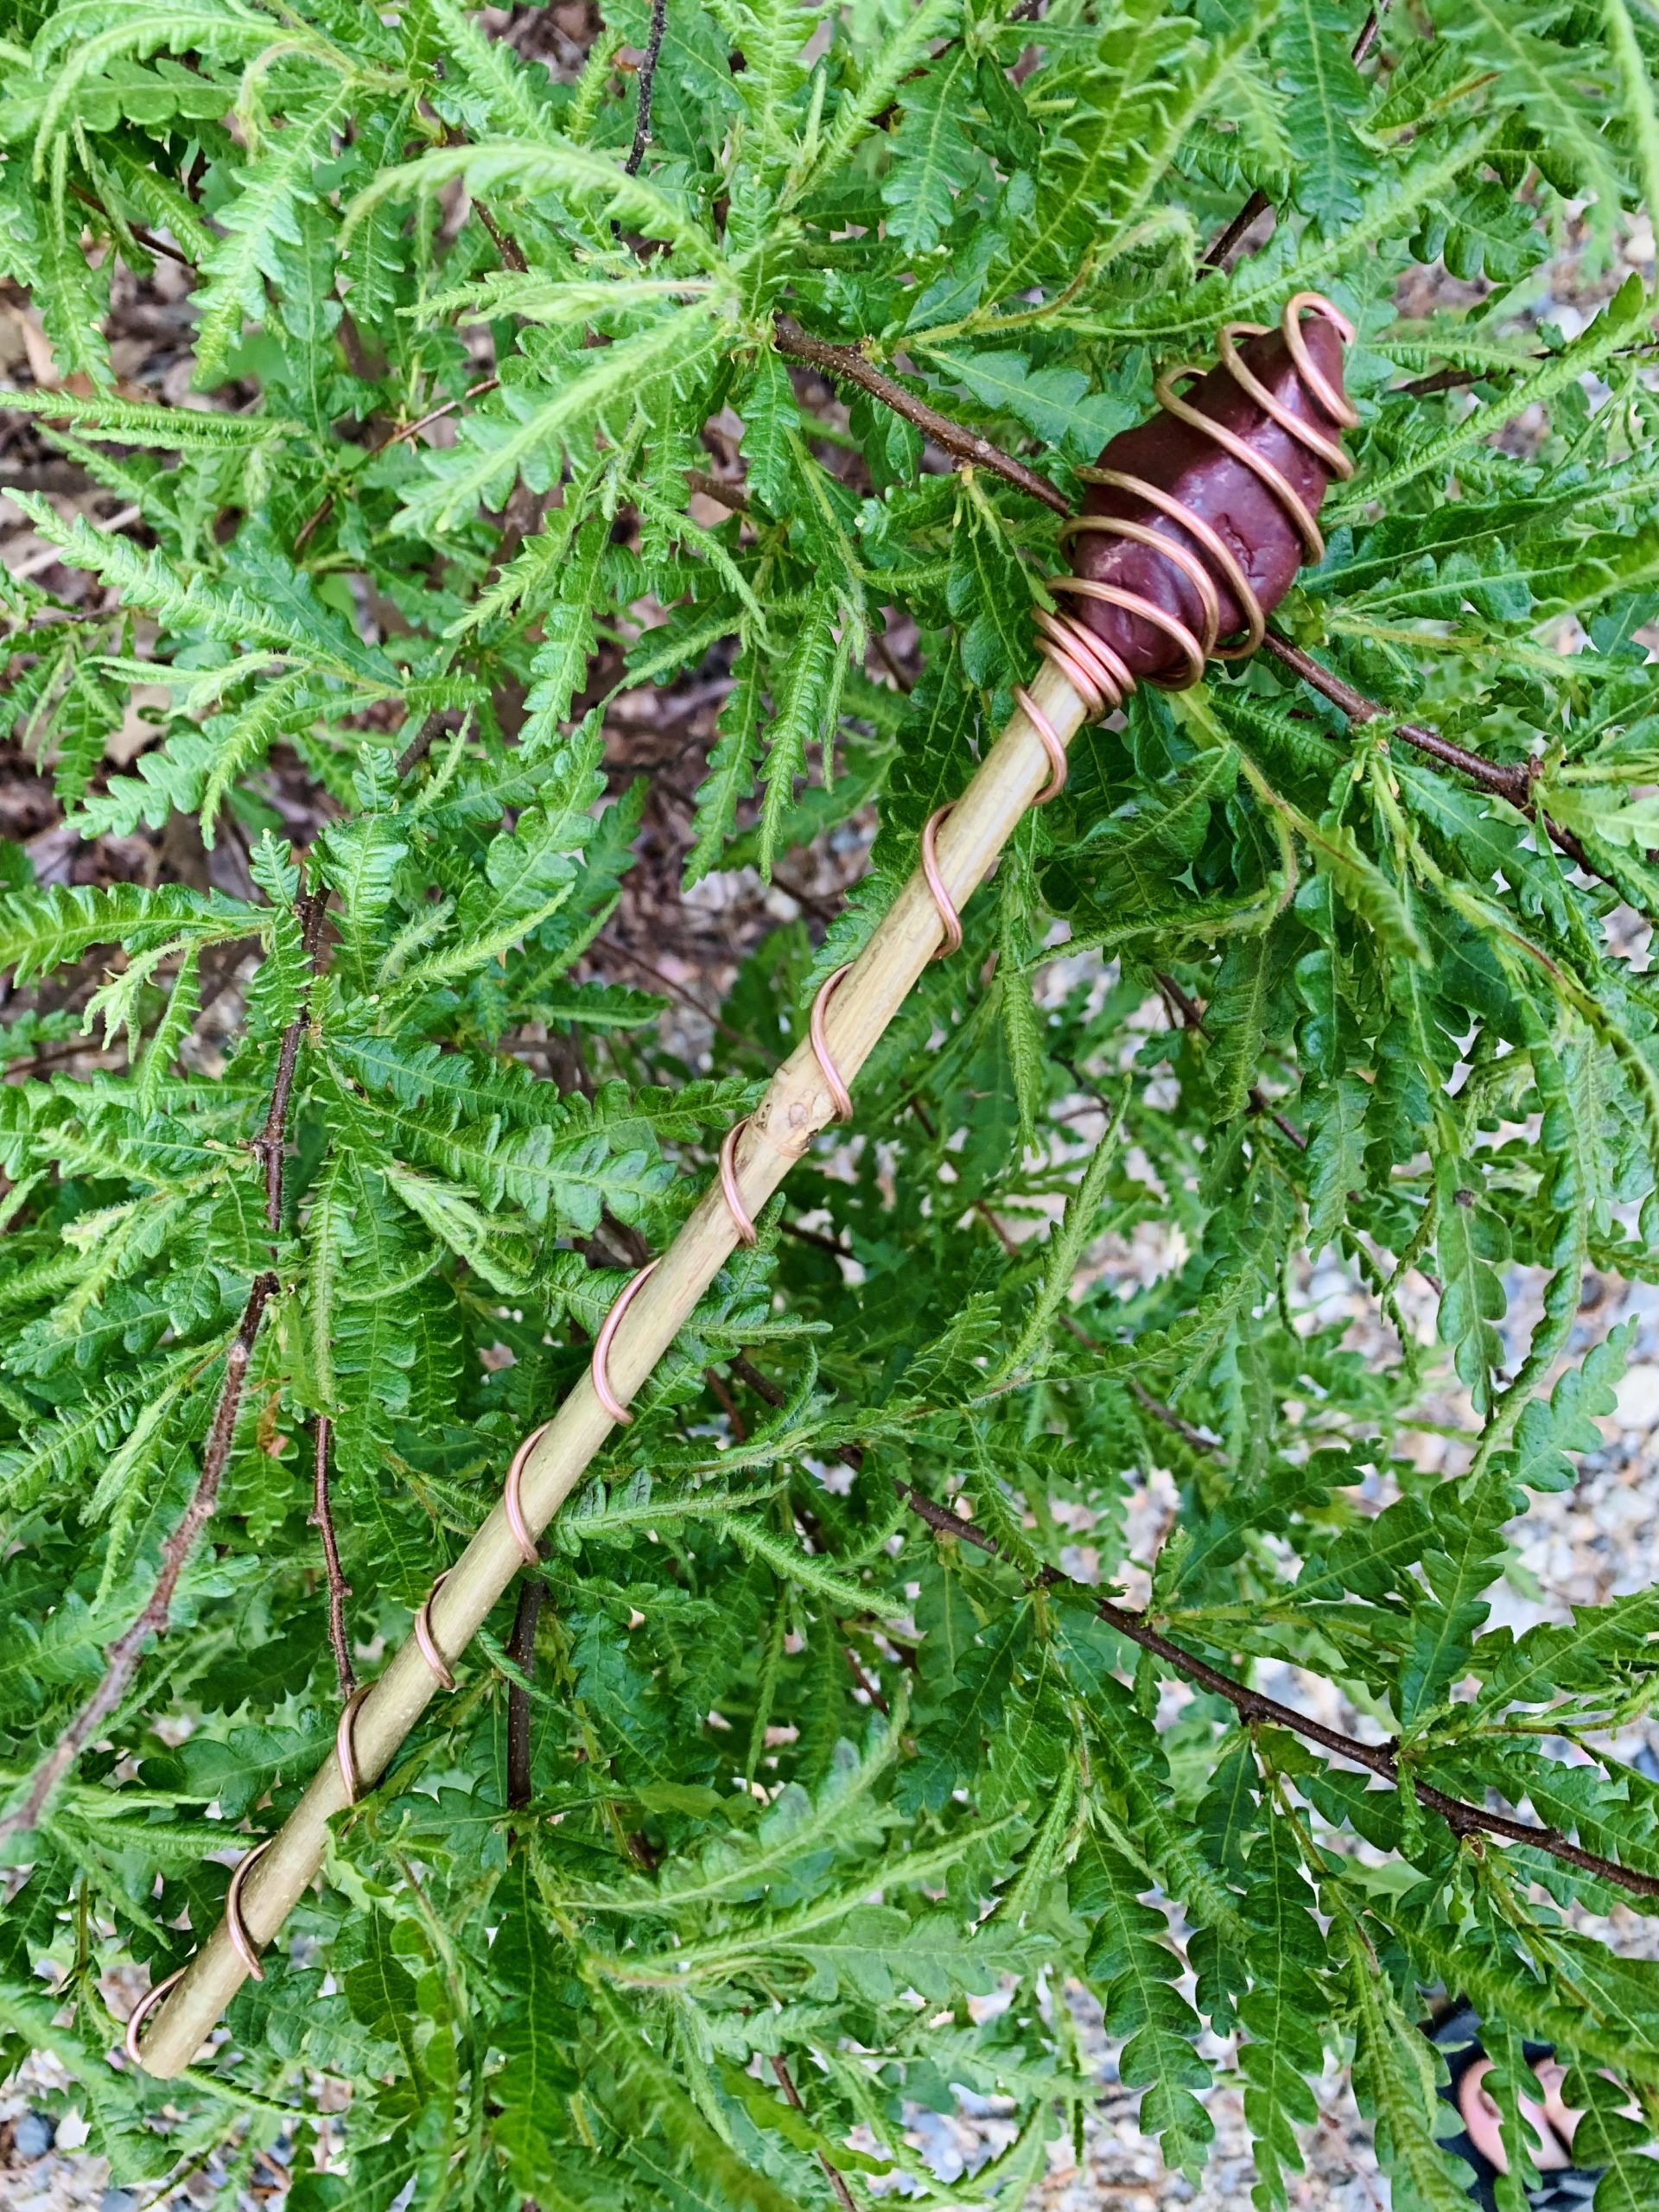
(350, 1781)
(1097, 674)
(1051, 743)
(840, 1095)
(529, 1550)
(235, 1927)
(949, 917)
(429, 1643)
(599, 1366)
(747, 1231)
(141, 2010)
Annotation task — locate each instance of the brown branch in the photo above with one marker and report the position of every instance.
(267, 1147)
(506, 246)
(762, 1385)
(1511, 780)
(848, 364)
(728, 1404)
(320, 512)
(1216, 254)
(1255, 1710)
(340, 1589)
(137, 232)
(521, 1649)
(791, 2096)
(647, 74)
(721, 489)
(1191, 1014)
(122, 1657)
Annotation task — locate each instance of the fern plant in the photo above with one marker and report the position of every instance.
(804, 1740)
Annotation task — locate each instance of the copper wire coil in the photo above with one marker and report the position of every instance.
(1095, 670)
(747, 1231)
(141, 2010)
(949, 917)
(599, 1365)
(1051, 743)
(840, 1095)
(426, 1640)
(235, 1927)
(529, 1550)
(345, 1755)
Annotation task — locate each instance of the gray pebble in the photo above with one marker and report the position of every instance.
(32, 2136)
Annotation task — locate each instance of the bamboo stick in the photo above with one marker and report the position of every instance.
(795, 1106)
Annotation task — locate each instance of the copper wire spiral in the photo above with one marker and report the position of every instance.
(840, 1095)
(512, 1503)
(951, 919)
(1094, 670)
(428, 1641)
(599, 1366)
(235, 1927)
(747, 1231)
(345, 1754)
(141, 2010)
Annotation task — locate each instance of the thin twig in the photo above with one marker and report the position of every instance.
(1221, 246)
(762, 1385)
(1191, 1014)
(1511, 780)
(721, 489)
(849, 364)
(340, 1589)
(137, 232)
(122, 1657)
(319, 513)
(647, 74)
(506, 245)
(521, 1649)
(791, 2096)
(1255, 1710)
(1216, 255)
(267, 1147)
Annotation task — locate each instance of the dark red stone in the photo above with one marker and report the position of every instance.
(1229, 496)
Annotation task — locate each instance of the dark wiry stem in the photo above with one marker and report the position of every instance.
(792, 2095)
(122, 1658)
(848, 364)
(521, 1649)
(267, 1147)
(1217, 254)
(647, 72)
(340, 1589)
(1256, 1710)
(1512, 781)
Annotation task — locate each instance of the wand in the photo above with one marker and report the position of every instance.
(1193, 526)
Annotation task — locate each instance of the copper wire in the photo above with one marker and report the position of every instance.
(950, 918)
(599, 1366)
(141, 2010)
(428, 1641)
(840, 1095)
(235, 1927)
(529, 1550)
(1097, 674)
(344, 1756)
(1051, 743)
(747, 1231)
